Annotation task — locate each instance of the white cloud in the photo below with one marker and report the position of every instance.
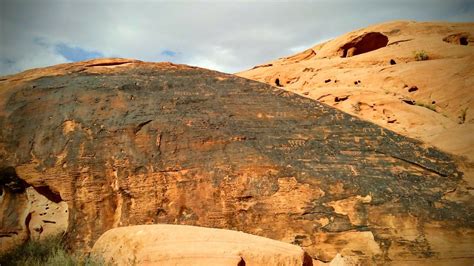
(225, 35)
(23, 51)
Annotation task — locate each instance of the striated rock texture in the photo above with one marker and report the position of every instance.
(192, 245)
(124, 142)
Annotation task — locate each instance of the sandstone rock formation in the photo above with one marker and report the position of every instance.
(27, 213)
(123, 142)
(372, 72)
(192, 245)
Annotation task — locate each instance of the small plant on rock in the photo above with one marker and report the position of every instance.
(421, 55)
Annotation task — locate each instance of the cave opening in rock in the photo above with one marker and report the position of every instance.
(10, 180)
(458, 39)
(49, 194)
(277, 82)
(363, 44)
(241, 262)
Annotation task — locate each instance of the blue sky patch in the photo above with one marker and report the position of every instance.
(168, 53)
(75, 53)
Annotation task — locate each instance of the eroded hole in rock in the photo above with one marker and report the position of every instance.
(277, 82)
(458, 38)
(341, 98)
(241, 262)
(307, 260)
(10, 180)
(409, 101)
(28, 220)
(49, 194)
(363, 44)
(47, 217)
(28, 211)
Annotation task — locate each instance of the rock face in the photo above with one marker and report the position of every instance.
(123, 142)
(26, 212)
(192, 245)
(377, 72)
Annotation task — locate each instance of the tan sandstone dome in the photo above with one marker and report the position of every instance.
(416, 78)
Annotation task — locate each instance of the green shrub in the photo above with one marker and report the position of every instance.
(50, 251)
(421, 55)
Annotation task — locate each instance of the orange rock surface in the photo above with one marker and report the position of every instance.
(373, 73)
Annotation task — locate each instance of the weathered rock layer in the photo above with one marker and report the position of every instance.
(125, 143)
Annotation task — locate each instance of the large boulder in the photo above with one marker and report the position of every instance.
(123, 142)
(192, 245)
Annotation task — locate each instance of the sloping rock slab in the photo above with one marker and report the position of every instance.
(127, 143)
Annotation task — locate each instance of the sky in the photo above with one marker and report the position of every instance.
(224, 35)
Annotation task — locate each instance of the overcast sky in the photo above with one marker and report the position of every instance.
(225, 35)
